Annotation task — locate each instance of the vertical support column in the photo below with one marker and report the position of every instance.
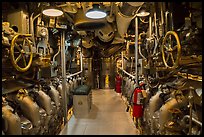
(150, 26)
(81, 63)
(136, 50)
(166, 21)
(172, 22)
(122, 59)
(63, 67)
(122, 72)
(155, 23)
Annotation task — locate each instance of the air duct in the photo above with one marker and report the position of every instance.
(125, 14)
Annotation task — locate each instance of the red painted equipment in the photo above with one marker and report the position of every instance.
(137, 103)
(118, 83)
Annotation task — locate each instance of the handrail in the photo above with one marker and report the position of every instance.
(122, 66)
(132, 76)
(81, 67)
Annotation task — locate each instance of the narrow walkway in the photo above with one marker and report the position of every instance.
(108, 116)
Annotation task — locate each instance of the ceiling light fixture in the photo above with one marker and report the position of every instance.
(95, 12)
(53, 12)
(143, 14)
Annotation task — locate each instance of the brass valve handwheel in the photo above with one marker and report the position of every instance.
(169, 47)
(21, 52)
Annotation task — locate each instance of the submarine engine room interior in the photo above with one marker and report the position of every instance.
(132, 68)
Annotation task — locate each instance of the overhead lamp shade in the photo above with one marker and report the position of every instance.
(52, 12)
(81, 22)
(95, 12)
(143, 14)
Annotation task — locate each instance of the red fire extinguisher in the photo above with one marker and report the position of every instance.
(137, 103)
(118, 83)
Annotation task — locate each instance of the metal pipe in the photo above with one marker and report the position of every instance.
(131, 65)
(172, 22)
(64, 88)
(190, 120)
(166, 21)
(190, 97)
(140, 52)
(150, 26)
(193, 119)
(81, 63)
(122, 58)
(162, 18)
(162, 13)
(155, 23)
(56, 53)
(111, 9)
(31, 27)
(139, 45)
(128, 47)
(136, 50)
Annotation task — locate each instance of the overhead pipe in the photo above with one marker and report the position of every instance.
(124, 16)
(110, 16)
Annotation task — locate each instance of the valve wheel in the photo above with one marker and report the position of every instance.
(21, 52)
(171, 51)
